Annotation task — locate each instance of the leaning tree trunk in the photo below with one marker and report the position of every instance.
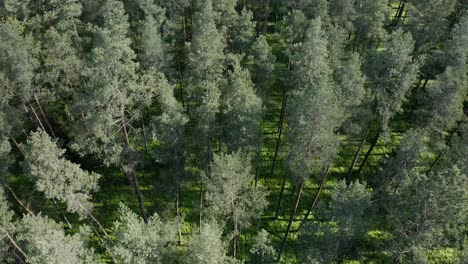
(130, 172)
(314, 202)
(281, 121)
(361, 146)
(280, 199)
(291, 218)
(44, 115)
(374, 142)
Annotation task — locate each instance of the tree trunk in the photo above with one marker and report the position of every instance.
(179, 227)
(291, 218)
(397, 12)
(18, 200)
(425, 83)
(64, 216)
(280, 131)
(265, 17)
(201, 201)
(179, 74)
(361, 146)
(131, 174)
(314, 202)
(13, 242)
(44, 115)
(374, 142)
(37, 118)
(145, 140)
(278, 205)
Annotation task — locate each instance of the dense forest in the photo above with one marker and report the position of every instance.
(233, 131)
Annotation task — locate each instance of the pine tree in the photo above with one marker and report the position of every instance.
(206, 56)
(206, 246)
(141, 242)
(314, 114)
(241, 32)
(393, 72)
(262, 251)
(113, 96)
(428, 22)
(262, 67)
(424, 211)
(230, 194)
(44, 241)
(242, 111)
(57, 177)
(346, 221)
(342, 13)
(371, 17)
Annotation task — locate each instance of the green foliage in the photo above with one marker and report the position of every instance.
(137, 242)
(44, 241)
(205, 246)
(57, 177)
(242, 109)
(262, 251)
(348, 216)
(230, 193)
(262, 67)
(424, 210)
(313, 110)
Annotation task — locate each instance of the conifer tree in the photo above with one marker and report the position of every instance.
(206, 56)
(371, 17)
(230, 194)
(206, 246)
(262, 67)
(342, 13)
(262, 251)
(393, 72)
(241, 33)
(113, 96)
(57, 177)
(314, 114)
(424, 210)
(141, 242)
(349, 210)
(242, 111)
(428, 22)
(44, 241)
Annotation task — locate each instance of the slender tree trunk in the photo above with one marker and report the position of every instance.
(131, 174)
(18, 200)
(317, 194)
(366, 157)
(179, 73)
(37, 118)
(44, 115)
(145, 139)
(235, 240)
(291, 219)
(13, 242)
(361, 146)
(179, 227)
(425, 83)
(265, 17)
(259, 158)
(15, 142)
(280, 199)
(397, 12)
(201, 202)
(64, 216)
(280, 131)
